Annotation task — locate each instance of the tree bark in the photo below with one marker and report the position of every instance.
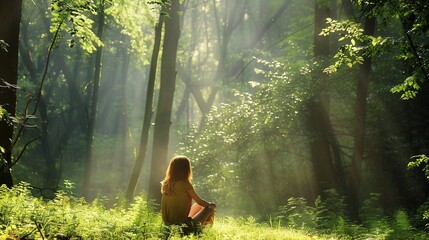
(148, 111)
(123, 120)
(319, 122)
(10, 18)
(90, 136)
(360, 127)
(165, 101)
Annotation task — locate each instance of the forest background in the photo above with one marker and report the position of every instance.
(273, 101)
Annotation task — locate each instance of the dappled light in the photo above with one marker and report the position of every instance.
(214, 119)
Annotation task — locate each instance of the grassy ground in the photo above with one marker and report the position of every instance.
(230, 228)
(23, 216)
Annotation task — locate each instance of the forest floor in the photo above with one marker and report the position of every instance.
(230, 228)
(23, 216)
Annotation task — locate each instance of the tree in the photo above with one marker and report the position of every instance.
(138, 164)
(94, 104)
(10, 18)
(165, 100)
(362, 80)
(50, 146)
(321, 134)
(229, 22)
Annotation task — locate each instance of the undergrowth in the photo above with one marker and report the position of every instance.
(329, 217)
(23, 216)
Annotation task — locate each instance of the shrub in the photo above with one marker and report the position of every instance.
(422, 215)
(330, 211)
(297, 214)
(372, 214)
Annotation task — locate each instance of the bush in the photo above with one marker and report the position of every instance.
(372, 214)
(297, 214)
(330, 211)
(422, 215)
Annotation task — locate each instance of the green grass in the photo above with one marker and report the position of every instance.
(239, 228)
(23, 216)
(230, 228)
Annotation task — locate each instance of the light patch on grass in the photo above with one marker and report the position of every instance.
(232, 228)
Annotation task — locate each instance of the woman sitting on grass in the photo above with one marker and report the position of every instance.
(177, 195)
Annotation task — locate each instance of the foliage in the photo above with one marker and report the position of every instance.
(422, 215)
(252, 144)
(371, 213)
(355, 44)
(406, 36)
(329, 217)
(70, 217)
(330, 211)
(65, 115)
(373, 217)
(3, 113)
(409, 88)
(423, 162)
(128, 15)
(297, 214)
(420, 161)
(3, 117)
(74, 17)
(253, 135)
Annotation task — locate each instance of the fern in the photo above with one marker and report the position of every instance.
(330, 211)
(297, 214)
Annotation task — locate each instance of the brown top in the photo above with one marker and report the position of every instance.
(175, 207)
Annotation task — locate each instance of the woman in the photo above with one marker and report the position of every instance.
(177, 195)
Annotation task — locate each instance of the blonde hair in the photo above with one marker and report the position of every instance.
(179, 169)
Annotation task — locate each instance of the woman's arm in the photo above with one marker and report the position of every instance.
(198, 199)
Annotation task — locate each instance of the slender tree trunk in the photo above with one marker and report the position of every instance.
(10, 18)
(89, 163)
(319, 121)
(165, 101)
(360, 127)
(123, 127)
(148, 111)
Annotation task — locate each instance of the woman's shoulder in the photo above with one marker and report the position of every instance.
(183, 184)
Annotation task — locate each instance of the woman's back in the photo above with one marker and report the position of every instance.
(175, 206)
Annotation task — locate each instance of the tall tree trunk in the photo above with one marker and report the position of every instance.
(97, 76)
(319, 122)
(165, 101)
(138, 164)
(10, 18)
(360, 127)
(123, 127)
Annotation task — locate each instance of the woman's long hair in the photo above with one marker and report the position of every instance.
(179, 169)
